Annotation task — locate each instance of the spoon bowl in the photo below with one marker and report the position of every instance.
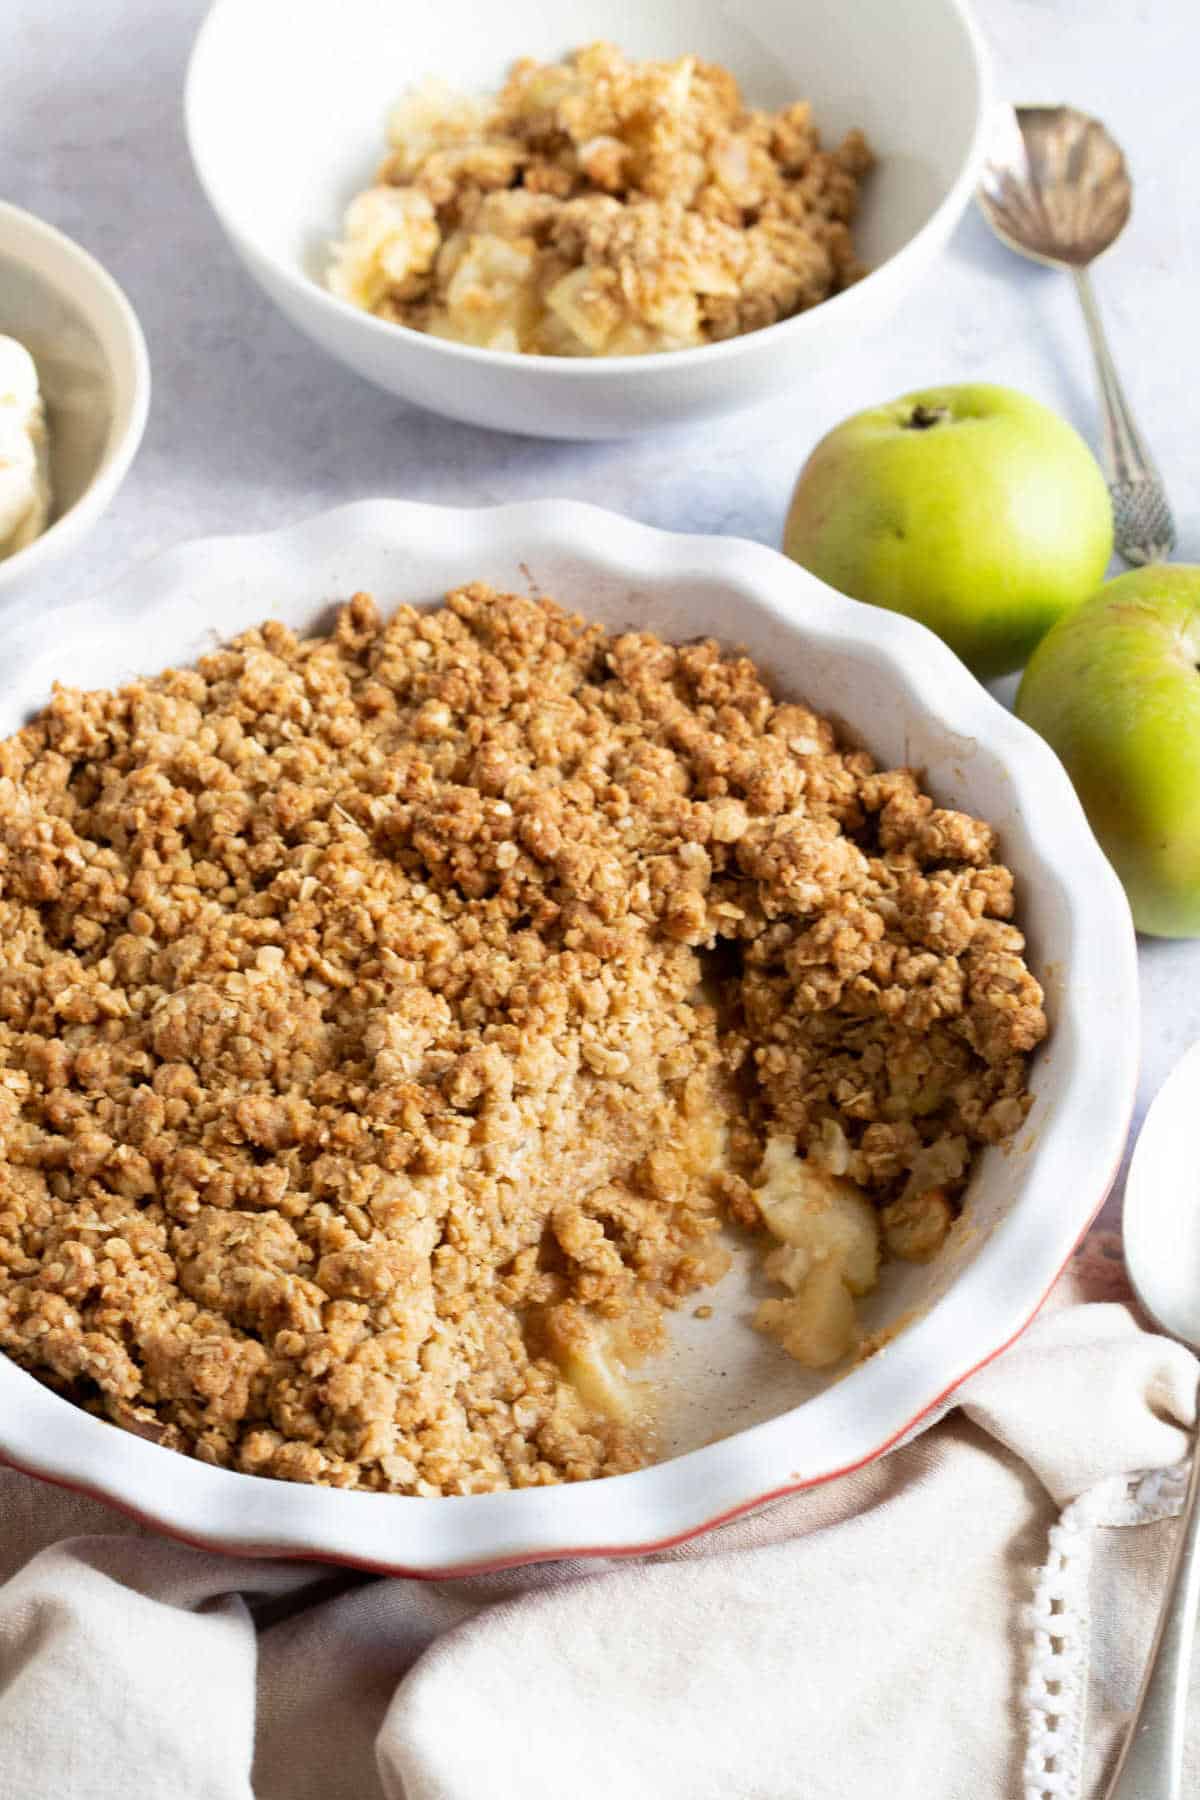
(1055, 186)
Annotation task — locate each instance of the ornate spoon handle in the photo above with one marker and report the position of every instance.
(1143, 528)
(1151, 1763)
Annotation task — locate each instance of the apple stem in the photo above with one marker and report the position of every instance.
(922, 417)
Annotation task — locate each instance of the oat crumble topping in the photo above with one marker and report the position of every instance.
(601, 207)
(390, 1019)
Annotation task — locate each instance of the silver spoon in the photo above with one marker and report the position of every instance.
(1162, 1250)
(1055, 188)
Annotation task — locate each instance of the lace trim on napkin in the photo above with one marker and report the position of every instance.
(1058, 1621)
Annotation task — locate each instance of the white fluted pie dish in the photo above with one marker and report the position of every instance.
(889, 684)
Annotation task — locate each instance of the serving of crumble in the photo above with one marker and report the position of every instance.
(600, 206)
(392, 1019)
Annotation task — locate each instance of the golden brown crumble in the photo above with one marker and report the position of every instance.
(601, 207)
(389, 1019)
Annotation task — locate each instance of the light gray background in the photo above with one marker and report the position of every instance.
(249, 428)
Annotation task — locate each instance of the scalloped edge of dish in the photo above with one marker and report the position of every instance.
(1058, 1189)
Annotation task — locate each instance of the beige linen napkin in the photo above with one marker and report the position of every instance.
(962, 1620)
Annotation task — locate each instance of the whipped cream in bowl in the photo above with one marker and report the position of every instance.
(74, 391)
(24, 450)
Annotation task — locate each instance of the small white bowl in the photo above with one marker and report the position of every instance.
(95, 377)
(286, 107)
(777, 1428)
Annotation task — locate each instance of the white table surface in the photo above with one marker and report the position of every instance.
(249, 428)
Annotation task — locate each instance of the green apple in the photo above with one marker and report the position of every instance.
(1115, 689)
(974, 509)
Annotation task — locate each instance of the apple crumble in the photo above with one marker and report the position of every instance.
(600, 207)
(391, 1019)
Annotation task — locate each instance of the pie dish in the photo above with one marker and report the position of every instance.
(888, 683)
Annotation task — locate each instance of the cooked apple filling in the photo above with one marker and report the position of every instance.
(600, 207)
(390, 1021)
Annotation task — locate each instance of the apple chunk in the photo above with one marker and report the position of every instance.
(817, 1326)
(828, 1252)
(818, 1214)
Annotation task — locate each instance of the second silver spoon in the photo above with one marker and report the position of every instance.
(1162, 1251)
(1055, 188)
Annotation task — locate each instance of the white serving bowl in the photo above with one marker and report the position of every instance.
(890, 682)
(95, 377)
(287, 102)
